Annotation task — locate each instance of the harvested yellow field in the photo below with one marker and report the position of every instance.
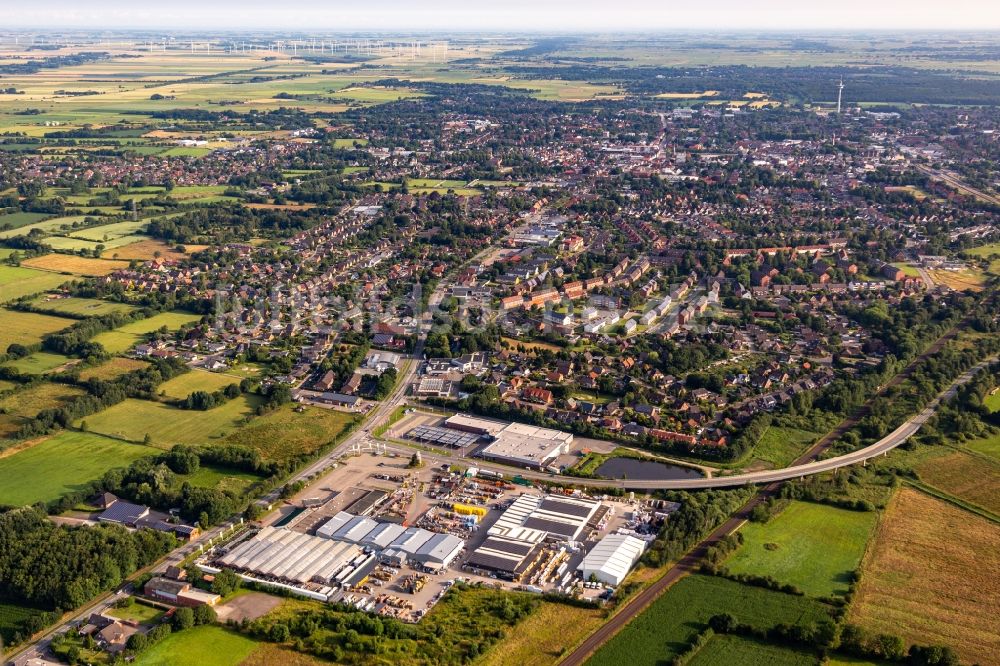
(930, 577)
(114, 367)
(144, 250)
(971, 279)
(691, 95)
(71, 263)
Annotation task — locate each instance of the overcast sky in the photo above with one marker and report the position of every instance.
(492, 15)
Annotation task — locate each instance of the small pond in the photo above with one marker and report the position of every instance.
(644, 470)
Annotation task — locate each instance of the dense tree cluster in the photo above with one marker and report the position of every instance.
(52, 566)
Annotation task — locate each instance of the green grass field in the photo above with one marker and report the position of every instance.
(27, 328)
(137, 612)
(728, 650)
(196, 380)
(780, 446)
(48, 226)
(989, 446)
(16, 282)
(134, 419)
(19, 406)
(199, 646)
(284, 433)
(665, 628)
(38, 363)
(60, 464)
(992, 402)
(219, 478)
(812, 546)
(79, 307)
(124, 338)
(17, 220)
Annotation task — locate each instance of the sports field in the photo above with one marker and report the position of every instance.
(665, 628)
(124, 338)
(71, 263)
(207, 645)
(27, 328)
(16, 282)
(930, 577)
(814, 547)
(196, 380)
(60, 464)
(134, 419)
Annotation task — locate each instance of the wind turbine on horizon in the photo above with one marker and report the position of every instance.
(840, 93)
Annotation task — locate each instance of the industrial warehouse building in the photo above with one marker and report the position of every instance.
(396, 544)
(516, 444)
(281, 555)
(612, 558)
(515, 539)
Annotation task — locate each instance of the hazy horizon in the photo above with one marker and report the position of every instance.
(509, 15)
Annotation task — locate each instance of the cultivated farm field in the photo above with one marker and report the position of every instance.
(27, 328)
(16, 282)
(11, 616)
(71, 263)
(728, 650)
(60, 464)
(930, 577)
(967, 477)
(814, 547)
(664, 629)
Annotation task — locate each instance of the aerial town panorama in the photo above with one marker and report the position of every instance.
(493, 348)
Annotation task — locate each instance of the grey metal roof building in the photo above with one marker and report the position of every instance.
(281, 554)
(124, 513)
(330, 527)
(439, 550)
(504, 556)
(383, 535)
(355, 529)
